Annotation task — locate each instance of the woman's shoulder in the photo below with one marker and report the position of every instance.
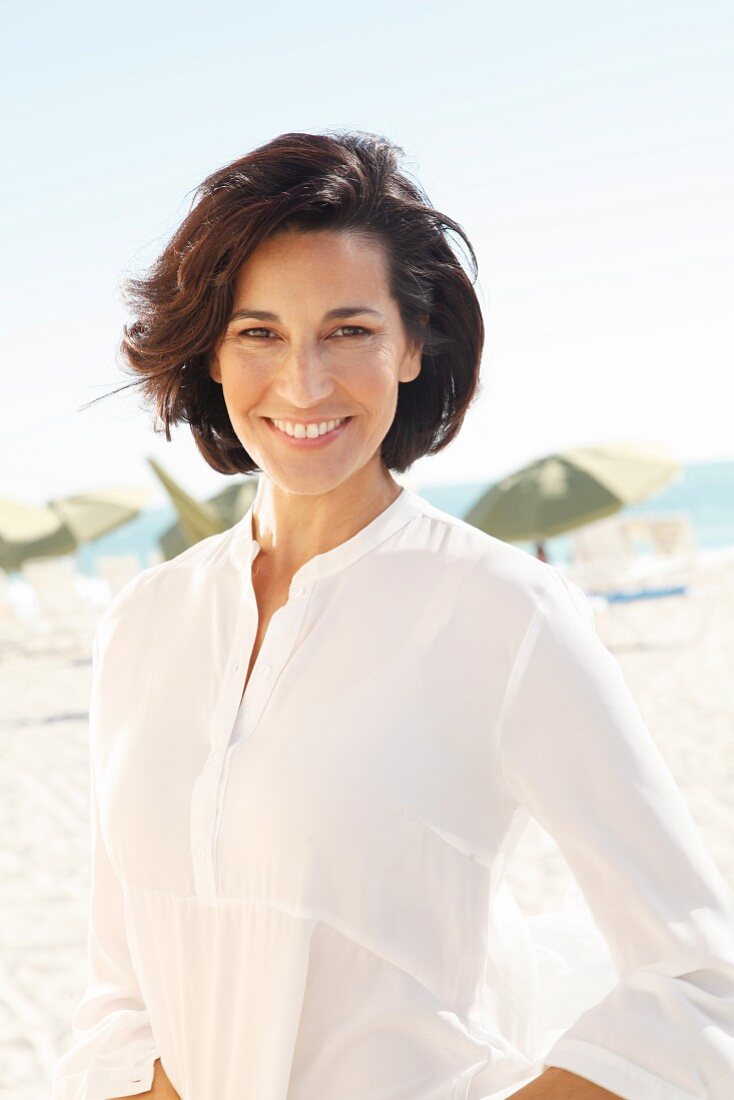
(505, 575)
(499, 586)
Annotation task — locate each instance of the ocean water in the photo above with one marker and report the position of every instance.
(704, 492)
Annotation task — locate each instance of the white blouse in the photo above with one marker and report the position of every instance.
(303, 895)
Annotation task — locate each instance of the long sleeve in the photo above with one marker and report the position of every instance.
(577, 755)
(113, 1050)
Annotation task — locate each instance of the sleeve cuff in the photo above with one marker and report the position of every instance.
(105, 1084)
(610, 1071)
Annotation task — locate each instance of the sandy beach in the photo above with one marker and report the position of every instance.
(677, 654)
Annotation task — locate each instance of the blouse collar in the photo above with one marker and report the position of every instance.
(244, 547)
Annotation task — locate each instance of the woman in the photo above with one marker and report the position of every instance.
(317, 738)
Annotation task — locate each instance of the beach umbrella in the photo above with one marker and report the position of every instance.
(90, 515)
(233, 500)
(562, 491)
(28, 531)
(197, 519)
(59, 527)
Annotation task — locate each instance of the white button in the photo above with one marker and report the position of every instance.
(265, 670)
(200, 850)
(299, 591)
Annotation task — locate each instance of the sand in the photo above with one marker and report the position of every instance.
(678, 658)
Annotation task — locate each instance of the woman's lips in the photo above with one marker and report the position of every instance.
(317, 441)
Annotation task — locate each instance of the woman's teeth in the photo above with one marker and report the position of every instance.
(307, 431)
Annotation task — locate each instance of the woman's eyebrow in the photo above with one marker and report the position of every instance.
(265, 315)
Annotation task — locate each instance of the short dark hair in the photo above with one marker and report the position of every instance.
(347, 181)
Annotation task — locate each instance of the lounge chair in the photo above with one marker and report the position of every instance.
(612, 569)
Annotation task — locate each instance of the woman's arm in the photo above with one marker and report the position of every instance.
(162, 1088)
(576, 754)
(113, 1049)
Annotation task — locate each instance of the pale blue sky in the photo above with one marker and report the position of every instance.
(586, 148)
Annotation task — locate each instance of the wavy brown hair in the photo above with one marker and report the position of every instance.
(347, 181)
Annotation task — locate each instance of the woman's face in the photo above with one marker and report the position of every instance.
(314, 336)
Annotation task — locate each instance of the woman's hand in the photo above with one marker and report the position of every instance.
(560, 1084)
(162, 1089)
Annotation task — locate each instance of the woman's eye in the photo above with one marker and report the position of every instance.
(350, 330)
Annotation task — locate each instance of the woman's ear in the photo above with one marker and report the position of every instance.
(213, 367)
(410, 367)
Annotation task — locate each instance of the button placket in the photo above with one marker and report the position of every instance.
(286, 623)
(281, 634)
(206, 791)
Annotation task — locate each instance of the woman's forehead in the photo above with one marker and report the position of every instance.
(323, 262)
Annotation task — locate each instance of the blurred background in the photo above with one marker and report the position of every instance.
(585, 148)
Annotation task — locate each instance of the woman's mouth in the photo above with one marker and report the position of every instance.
(317, 434)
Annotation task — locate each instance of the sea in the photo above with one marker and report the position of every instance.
(702, 491)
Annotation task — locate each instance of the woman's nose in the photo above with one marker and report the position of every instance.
(302, 377)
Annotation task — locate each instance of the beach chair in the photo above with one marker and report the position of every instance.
(18, 604)
(96, 592)
(57, 604)
(604, 557)
(620, 580)
(117, 570)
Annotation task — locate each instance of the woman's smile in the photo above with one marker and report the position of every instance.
(311, 437)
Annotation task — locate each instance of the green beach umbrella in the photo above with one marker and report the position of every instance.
(58, 528)
(27, 528)
(197, 519)
(575, 486)
(90, 515)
